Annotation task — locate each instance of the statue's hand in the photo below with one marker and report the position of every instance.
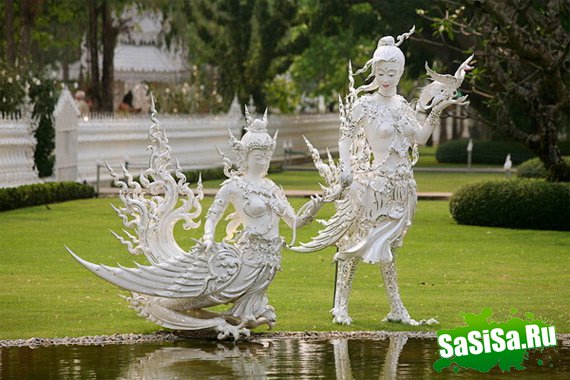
(208, 242)
(346, 178)
(462, 101)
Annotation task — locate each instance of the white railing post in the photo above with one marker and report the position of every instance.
(66, 117)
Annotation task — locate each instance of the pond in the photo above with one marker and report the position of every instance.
(391, 358)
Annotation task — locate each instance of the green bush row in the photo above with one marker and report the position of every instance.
(218, 173)
(43, 193)
(518, 203)
(214, 173)
(534, 168)
(488, 152)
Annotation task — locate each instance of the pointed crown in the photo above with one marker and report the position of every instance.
(256, 136)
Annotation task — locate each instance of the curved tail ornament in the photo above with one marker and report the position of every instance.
(154, 206)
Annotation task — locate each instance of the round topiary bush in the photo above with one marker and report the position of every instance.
(534, 168)
(519, 203)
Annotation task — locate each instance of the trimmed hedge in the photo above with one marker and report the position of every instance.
(218, 173)
(484, 152)
(518, 203)
(488, 152)
(534, 168)
(43, 193)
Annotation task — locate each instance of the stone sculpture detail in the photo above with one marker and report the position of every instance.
(178, 287)
(374, 181)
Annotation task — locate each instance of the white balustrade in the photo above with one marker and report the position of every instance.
(17, 144)
(120, 140)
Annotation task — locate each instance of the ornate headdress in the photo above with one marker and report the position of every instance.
(256, 137)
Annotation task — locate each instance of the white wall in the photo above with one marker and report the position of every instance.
(17, 144)
(193, 139)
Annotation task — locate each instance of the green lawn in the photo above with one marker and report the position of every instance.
(444, 270)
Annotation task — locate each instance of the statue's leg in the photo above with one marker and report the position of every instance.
(398, 312)
(345, 274)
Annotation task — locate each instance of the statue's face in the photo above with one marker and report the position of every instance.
(388, 75)
(258, 160)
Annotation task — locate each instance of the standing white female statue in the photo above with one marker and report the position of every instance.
(179, 286)
(379, 135)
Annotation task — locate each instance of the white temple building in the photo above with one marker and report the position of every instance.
(141, 56)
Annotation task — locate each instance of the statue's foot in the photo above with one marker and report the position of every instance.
(269, 314)
(229, 331)
(404, 317)
(340, 316)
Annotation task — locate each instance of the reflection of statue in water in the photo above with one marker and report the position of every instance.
(379, 135)
(208, 360)
(343, 368)
(177, 288)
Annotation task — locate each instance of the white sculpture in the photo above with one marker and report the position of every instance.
(177, 288)
(379, 135)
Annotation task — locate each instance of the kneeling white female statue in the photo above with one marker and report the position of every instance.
(178, 287)
(379, 135)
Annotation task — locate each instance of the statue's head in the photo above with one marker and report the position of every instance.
(256, 136)
(255, 148)
(388, 51)
(386, 58)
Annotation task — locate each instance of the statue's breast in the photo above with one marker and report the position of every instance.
(255, 206)
(384, 129)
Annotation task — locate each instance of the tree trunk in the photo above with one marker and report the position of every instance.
(10, 45)
(109, 39)
(28, 12)
(549, 152)
(93, 44)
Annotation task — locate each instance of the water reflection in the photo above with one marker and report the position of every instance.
(251, 361)
(393, 358)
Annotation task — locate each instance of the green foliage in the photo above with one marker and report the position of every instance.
(43, 193)
(11, 90)
(534, 168)
(521, 203)
(522, 60)
(484, 152)
(42, 94)
(283, 94)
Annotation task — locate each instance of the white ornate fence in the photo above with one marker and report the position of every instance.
(17, 144)
(193, 139)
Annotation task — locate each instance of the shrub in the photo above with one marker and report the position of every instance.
(218, 173)
(520, 203)
(534, 168)
(484, 152)
(43, 193)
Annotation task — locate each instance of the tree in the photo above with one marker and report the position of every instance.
(246, 42)
(105, 21)
(349, 30)
(523, 75)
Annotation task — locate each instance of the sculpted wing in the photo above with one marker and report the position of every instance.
(348, 210)
(197, 273)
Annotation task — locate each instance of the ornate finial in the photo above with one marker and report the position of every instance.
(405, 36)
(256, 125)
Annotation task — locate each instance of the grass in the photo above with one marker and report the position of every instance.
(444, 269)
